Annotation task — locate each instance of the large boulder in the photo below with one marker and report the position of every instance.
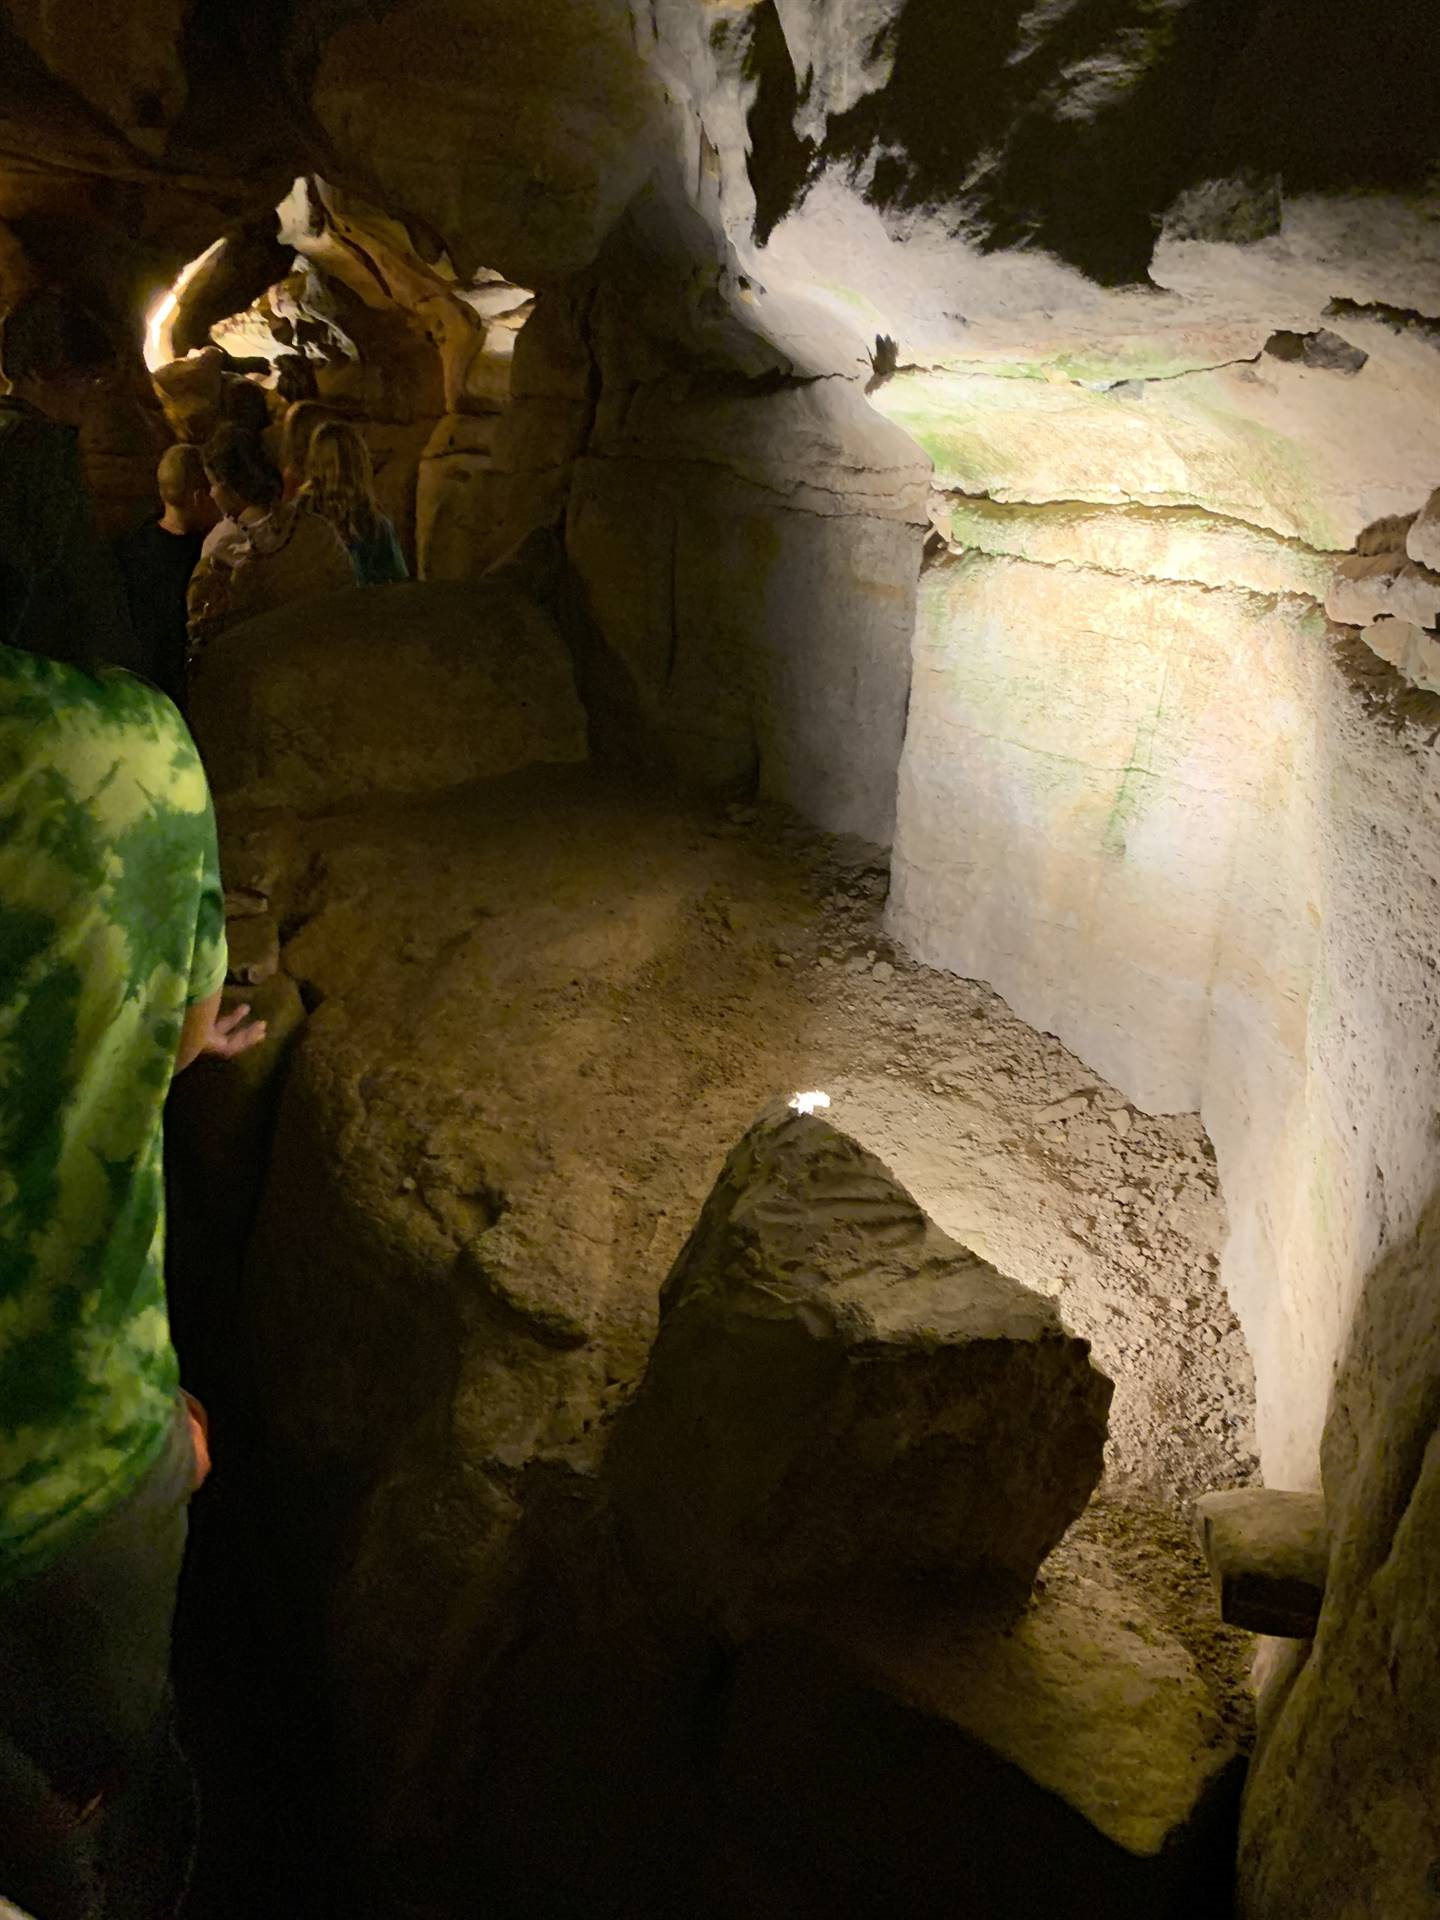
(840, 1394)
(1269, 1555)
(392, 689)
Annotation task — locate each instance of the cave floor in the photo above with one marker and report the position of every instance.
(618, 982)
(626, 981)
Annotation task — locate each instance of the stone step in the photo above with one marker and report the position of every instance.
(1268, 1553)
(1070, 1764)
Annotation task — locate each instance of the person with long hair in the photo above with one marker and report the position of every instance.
(340, 485)
(282, 551)
(298, 427)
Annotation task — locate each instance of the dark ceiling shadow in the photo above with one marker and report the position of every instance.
(1078, 132)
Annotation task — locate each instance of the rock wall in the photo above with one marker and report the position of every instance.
(1164, 821)
(751, 564)
(1180, 819)
(1143, 797)
(741, 532)
(1340, 1811)
(1184, 822)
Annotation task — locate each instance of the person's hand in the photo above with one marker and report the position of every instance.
(199, 1438)
(231, 1035)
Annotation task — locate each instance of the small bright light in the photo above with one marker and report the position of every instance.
(809, 1102)
(159, 342)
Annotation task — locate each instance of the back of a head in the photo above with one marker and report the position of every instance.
(243, 405)
(295, 378)
(48, 335)
(302, 420)
(341, 480)
(239, 461)
(181, 474)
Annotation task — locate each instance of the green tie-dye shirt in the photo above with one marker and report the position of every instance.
(111, 923)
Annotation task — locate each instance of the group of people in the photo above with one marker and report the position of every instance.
(241, 533)
(112, 961)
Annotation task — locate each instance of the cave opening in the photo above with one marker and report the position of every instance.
(946, 614)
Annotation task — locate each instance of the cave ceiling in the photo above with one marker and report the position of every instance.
(995, 178)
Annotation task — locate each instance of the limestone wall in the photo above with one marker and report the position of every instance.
(1145, 795)
(1186, 823)
(751, 563)
(1159, 818)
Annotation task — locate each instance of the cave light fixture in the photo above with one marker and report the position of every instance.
(160, 321)
(809, 1102)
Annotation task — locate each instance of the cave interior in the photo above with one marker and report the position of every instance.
(925, 524)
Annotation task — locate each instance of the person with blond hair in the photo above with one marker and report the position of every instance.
(341, 487)
(297, 429)
(157, 562)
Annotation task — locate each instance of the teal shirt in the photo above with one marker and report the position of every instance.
(111, 923)
(378, 561)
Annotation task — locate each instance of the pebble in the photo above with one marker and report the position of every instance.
(784, 960)
(1120, 1119)
(882, 970)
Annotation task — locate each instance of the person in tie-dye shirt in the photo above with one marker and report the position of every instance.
(112, 958)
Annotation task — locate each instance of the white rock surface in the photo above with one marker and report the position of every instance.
(1360, 591)
(1162, 822)
(1369, 587)
(1307, 456)
(1422, 543)
(1179, 544)
(1415, 596)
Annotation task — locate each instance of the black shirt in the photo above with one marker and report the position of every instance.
(157, 567)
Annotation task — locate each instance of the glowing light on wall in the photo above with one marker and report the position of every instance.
(160, 321)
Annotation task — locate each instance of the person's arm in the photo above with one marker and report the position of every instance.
(221, 1035)
(204, 1028)
(207, 599)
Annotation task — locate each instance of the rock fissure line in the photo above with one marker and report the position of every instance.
(1397, 319)
(860, 506)
(1161, 379)
(1259, 602)
(1182, 512)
